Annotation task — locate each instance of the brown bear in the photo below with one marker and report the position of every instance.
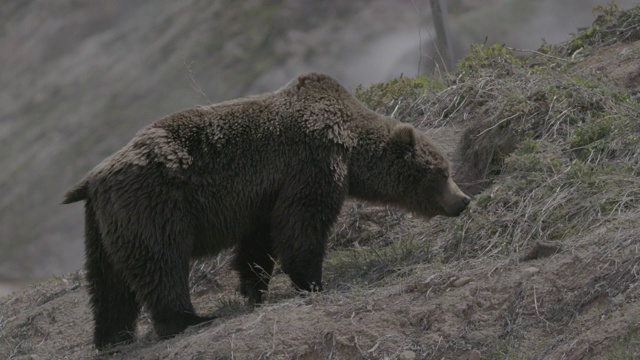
(265, 174)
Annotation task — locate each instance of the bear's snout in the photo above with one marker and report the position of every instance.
(454, 201)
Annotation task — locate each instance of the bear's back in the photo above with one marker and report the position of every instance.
(264, 137)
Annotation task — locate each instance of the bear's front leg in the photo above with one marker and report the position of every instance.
(306, 272)
(302, 220)
(254, 262)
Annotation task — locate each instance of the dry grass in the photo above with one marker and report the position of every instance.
(552, 156)
(562, 151)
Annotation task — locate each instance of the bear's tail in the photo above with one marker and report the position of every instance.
(77, 192)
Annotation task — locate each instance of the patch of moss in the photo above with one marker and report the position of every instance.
(611, 26)
(493, 57)
(506, 350)
(370, 265)
(591, 132)
(384, 96)
(627, 347)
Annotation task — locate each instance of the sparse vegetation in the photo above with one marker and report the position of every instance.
(612, 25)
(373, 265)
(626, 348)
(562, 149)
(397, 94)
(551, 155)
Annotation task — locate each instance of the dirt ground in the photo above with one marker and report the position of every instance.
(574, 300)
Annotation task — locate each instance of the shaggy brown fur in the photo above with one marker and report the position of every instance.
(266, 175)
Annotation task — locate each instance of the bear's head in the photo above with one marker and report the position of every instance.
(422, 174)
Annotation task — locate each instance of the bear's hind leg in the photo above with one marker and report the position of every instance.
(158, 270)
(172, 322)
(170, 302)
(254, 262)
(170, 306)
(115, 308)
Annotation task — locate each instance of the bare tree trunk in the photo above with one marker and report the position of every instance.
(443, 34)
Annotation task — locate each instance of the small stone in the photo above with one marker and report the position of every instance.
(462, 281)
(474, 355)
(407, 355)
(546, 249)
(541, 250)
(530, 271)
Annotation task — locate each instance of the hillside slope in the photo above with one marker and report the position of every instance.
(544, 265)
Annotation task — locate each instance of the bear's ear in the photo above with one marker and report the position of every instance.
(403, 135)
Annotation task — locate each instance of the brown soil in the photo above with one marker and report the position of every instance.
(577, 301)
(617, 63)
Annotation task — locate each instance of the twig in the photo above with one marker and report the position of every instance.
(374, 347)
(535, 52)
(393, 114)
(193, 82)
(498, 123)
(535, 302)
(273, 335)
(362, 353)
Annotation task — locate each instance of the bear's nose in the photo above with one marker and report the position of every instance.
(466, 200)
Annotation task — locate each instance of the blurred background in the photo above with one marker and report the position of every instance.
(80, 77)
